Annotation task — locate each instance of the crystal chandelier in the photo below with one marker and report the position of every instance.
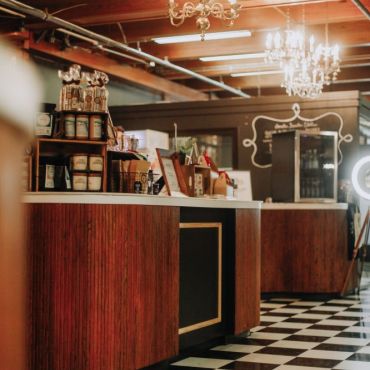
(306, 67)
(307, 78)
(202, 10)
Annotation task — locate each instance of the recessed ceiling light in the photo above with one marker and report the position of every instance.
(219, 58)
(255, 73)
(208, 36)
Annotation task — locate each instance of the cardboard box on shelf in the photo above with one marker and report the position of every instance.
(149, 140)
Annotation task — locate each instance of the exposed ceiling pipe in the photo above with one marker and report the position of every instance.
(108, 42)
(362, 8)
(96, 44)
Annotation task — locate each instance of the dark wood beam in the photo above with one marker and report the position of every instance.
(125, 73)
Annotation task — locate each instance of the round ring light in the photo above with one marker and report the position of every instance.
(361, 177)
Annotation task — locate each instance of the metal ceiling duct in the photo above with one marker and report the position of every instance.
(362, 8)
(108, 42)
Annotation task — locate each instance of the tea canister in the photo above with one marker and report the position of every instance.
(70, 126)
(94, 182)
(95, 130)
(79, 181)
(96, 163)
(82, 126)
(49, 176)
(79, 162)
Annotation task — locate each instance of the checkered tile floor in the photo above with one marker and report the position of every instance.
(298, 334)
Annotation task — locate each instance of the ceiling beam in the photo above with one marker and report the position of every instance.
(252, 19)
(273, 80)
(349, 56)
(342, 33)
(136, 76)
(268, 91)
(108, 12)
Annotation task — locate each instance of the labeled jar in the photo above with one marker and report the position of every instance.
(79, 182)
(82, 126)
(96, 163)
(94, 182)
(95, 129)
(70, 126)
(79, 162)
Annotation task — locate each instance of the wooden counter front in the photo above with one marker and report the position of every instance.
(104, 286)
(304, 250)
(104, 283)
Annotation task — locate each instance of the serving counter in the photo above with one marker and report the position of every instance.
(127, 281)
(304, 248)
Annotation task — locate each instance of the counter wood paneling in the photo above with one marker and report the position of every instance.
(95, 271)
(247, 270)
(104, 277)
(304, 250)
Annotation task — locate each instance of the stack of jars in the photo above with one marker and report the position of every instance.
(83, 126)
(87, 172)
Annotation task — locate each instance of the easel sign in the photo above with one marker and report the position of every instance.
(171, 172)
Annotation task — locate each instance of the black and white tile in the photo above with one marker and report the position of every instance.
(297, 334)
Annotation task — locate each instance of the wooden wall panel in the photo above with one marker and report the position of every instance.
(238, 114)
(103, 286)
(247, 269)
(304, 251)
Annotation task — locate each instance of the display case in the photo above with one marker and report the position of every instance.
(304, 166)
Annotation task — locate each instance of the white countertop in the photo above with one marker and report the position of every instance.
(150, 200)
(305, 206)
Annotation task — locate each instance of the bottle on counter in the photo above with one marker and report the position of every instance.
(315, 159)
(150, 182)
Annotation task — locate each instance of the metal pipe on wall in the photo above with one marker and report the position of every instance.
(108, 42)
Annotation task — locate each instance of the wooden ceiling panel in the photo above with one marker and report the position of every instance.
(349, 33)
(141, 20)
(252, 19)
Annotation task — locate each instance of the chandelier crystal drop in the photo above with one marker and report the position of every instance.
(307, 68)
(202, 10)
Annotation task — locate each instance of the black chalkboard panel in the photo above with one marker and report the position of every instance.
(200, 250)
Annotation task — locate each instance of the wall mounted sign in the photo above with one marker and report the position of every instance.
(264, 127)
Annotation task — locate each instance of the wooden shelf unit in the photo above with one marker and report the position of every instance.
(47, 147)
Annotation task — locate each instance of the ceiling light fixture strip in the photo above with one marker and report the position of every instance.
(108, 42)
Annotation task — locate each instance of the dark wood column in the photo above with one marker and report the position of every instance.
(247, 269)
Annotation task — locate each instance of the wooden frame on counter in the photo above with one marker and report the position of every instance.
(171, 171)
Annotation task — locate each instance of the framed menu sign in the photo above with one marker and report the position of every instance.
(170, 175)
(264, 127)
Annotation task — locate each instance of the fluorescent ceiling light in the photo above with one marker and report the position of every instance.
(219, 58)
(208, 36)
(255, 73)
